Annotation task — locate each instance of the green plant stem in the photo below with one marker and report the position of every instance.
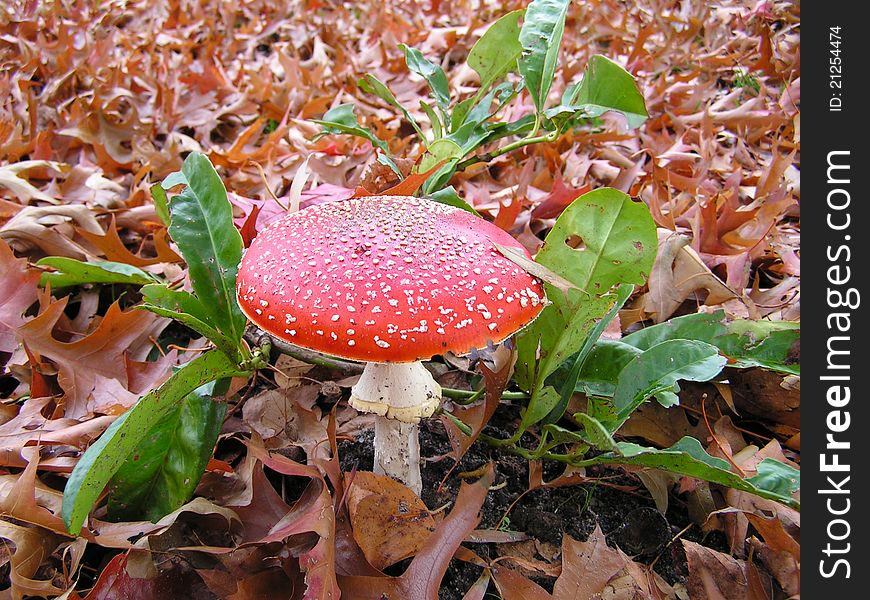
(455, 394)
(526, 141)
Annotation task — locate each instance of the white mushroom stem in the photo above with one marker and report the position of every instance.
(400, 394)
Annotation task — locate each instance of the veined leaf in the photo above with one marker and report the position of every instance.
(202, 226)
(605, 86)
(659, 368)
(372, 85)
(163, 470)
(496, 52)
(432, 73)
(186, 308)
(540, 38)
(747, 343)
(103, 459)
(569, 383)
(774, 480)
(603, 239)
(70, 272)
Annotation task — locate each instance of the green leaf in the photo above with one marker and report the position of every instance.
(72, 272)
(103, 459)
(173, 179)
(540, 405)
(596, 433)
(434, 120)
(615, 241)
(202, 226)
(569, 381)
(161, 203)
(439, 150)
(775, 480)
(186, 308)
(659, 368)
(372, 85)
(432, 73)
(540, 38)
(605, 86)
(449, 197)
(342, 119)
(496, 52)
(163, 470)
(601, 370)
(768, 344)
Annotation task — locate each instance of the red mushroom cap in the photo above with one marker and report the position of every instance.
(386, 279)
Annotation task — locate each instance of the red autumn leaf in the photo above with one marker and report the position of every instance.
(87, 366)
(422, 579)
(558, 200)
(19, 285)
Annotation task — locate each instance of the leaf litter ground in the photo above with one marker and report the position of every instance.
(92, 115)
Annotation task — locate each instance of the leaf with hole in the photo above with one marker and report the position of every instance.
(618, 247)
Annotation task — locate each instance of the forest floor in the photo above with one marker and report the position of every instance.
(101, 100)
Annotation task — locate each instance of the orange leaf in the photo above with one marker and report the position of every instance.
(407, 187)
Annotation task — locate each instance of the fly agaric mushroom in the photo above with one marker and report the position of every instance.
(389, 281)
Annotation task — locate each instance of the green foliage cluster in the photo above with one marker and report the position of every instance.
(509, 58)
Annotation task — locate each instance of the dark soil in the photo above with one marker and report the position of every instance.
(629, 519)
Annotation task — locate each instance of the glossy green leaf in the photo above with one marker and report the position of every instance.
(496, 52)
(659, 368)
(372, 85)
(605, 86)
(434, 119)
(449, 197)
(569, 380)
(470, 113)
(161, 203)
(103, 458)
(186, 308)
(775, 480)
(163, 470)
(539, 406)
(70, 272)
(600, 372)
(432, 73)
(602, 240)
(438, 151)
(540, 38)
(202, 226)
(768, 344)
(342, 119)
